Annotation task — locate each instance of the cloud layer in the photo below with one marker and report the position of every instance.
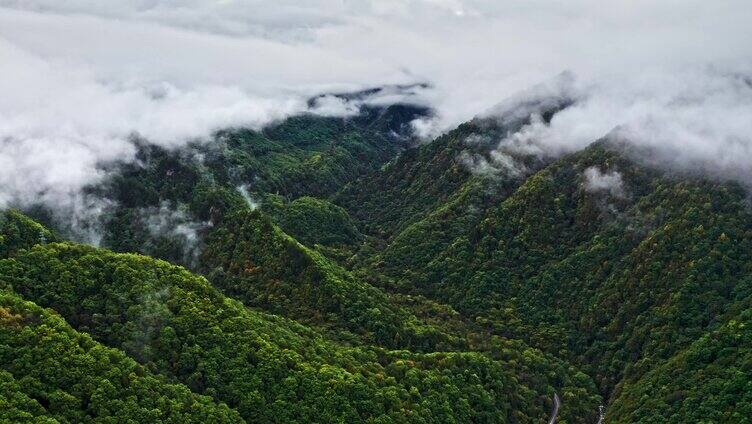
(695, 119)
(81, 76)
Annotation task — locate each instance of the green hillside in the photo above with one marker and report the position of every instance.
(268, 368)
(618, 281)
(51, 373)
(336, 270)
(707, 381)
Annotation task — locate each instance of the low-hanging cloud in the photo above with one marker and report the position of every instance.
(596, 181)
(81, 77)
(174, 222)
(695, 119)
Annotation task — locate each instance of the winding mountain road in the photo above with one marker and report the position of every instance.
(555, 411)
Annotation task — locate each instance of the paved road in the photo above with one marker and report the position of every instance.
(555, 411)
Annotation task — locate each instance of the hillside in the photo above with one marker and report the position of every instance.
(621, 278)
(268, 368)
(336, 270)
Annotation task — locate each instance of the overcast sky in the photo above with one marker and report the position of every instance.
(79, 76)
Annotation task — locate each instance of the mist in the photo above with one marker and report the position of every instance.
(694, 119)
(82, 77)
(597, 181)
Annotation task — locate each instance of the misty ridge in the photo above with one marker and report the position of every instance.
(693, 123)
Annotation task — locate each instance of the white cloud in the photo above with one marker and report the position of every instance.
(249, 200)
(597, 181)
(693, 119)
(173, 221)
(81, 76)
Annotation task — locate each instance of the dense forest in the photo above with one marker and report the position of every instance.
(338, 270)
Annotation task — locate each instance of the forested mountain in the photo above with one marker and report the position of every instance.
(621, 278)
(338, 270)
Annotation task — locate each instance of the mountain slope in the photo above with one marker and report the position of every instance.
(51, 373)
(708, 381)
(269, 369)
(250, 259)
(504, 274)
(619, 277)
